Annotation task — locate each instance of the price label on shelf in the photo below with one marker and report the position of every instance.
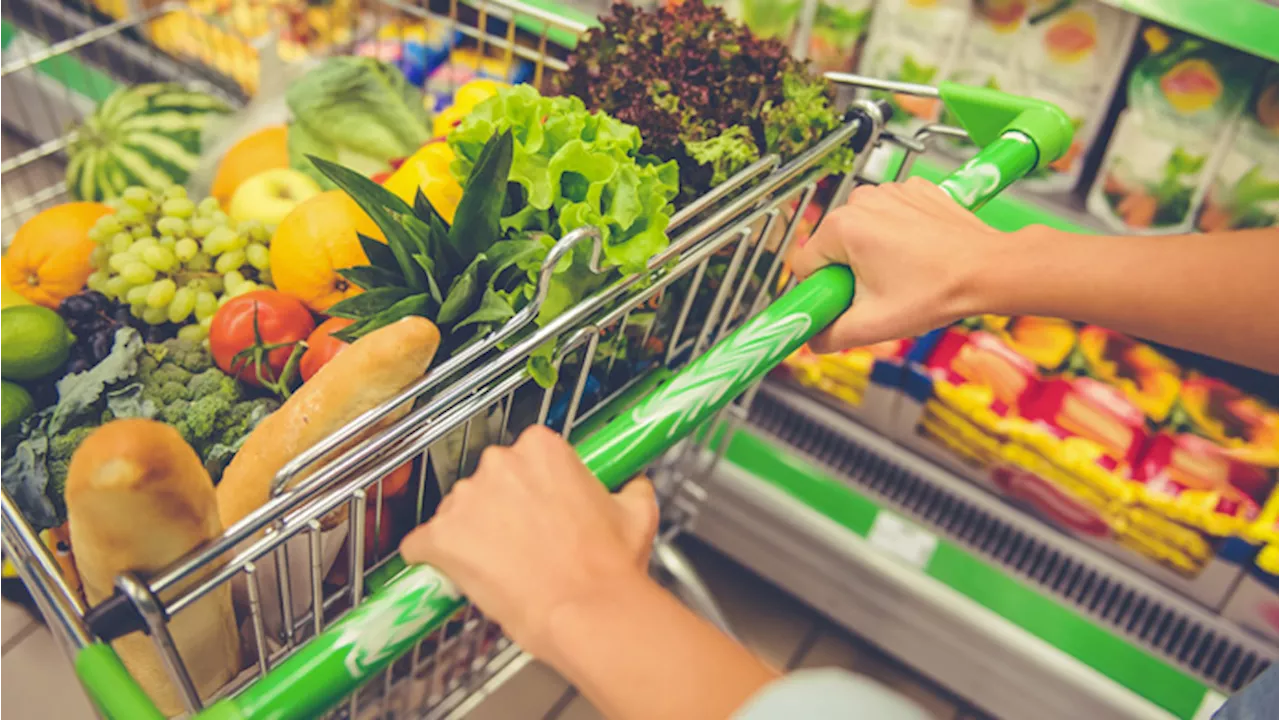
(1210, 705)
(903, 540)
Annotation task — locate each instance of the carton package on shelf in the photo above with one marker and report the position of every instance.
(913, 42)
(862, 383)
(961, 386)
(839, 29)
(1071, 54)
(1101, 436)
(1184, 99)
(1246, 180)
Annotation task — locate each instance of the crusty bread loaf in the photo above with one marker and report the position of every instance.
(138, 498)
(356, 380)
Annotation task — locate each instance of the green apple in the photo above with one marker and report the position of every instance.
(271, 195)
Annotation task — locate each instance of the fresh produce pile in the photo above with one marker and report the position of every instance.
(702, 90)
(194, 319)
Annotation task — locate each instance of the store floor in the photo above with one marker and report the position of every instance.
(38, 681)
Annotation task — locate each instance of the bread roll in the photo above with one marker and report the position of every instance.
(138, 498)
(373, 370)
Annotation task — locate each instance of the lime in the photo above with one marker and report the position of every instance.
(34, 342)
(15, 404)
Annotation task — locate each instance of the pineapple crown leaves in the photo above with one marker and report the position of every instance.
(460, 276)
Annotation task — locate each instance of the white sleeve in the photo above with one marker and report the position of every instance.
(828, 693)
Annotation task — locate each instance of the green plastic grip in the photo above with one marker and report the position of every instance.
(989, 114)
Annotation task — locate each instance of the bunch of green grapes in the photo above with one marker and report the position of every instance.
(173, 260)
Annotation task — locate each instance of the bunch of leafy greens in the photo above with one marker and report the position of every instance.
(174, 382)
(356, 111)
(702, 90)
(532, 169)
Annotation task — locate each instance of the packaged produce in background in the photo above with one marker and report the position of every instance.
(1070, 53)
(1100, 435)
(913, 41)
(839, 29)
(862, 381)
(1246, 179)
(1184, 98)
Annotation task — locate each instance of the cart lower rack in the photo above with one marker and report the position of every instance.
(397, 641)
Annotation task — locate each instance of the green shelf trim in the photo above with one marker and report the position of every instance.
(1252, 26)
(1074, 634)
(66, 70)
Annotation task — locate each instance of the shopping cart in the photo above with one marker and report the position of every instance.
(700, 329)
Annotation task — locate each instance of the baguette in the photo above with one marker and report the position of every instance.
(138, 498)
(356, 380)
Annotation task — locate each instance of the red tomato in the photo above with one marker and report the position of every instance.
(384, 544)
(282, 322)
(322, 346)
(396, 481)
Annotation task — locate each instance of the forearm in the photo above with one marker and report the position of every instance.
(1215, 294)
(637, 653)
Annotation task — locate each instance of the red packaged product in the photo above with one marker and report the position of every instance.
(1086, 408)
(981, 358)
(1195, 480)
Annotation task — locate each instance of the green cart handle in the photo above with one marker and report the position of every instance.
(419, 599)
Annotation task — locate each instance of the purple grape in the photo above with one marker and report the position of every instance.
(100, 345)
(121, 315)
(99, 300)
(79, 365)
(78, 306)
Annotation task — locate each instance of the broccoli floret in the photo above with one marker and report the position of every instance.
(62, 446)
(175, 412)
(168, 373)
(214, 382)
(203, 414)
(165, 394)
(148, 362)
(243, 417)
(189, 356)
(58, 462)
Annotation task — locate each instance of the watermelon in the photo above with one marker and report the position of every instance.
(145, 135)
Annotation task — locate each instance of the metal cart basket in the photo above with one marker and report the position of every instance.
(650, 362)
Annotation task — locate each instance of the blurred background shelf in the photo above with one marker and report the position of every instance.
(1014, 616)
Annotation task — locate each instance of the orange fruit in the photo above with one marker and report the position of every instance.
(313, 242)
(266, 149)
(48, 259)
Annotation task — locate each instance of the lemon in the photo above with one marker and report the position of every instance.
(15, 404)
(34, 342)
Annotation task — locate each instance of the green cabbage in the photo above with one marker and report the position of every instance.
(356, 111)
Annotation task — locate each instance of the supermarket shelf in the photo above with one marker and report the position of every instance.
(1249, 25)
(1000, 608)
